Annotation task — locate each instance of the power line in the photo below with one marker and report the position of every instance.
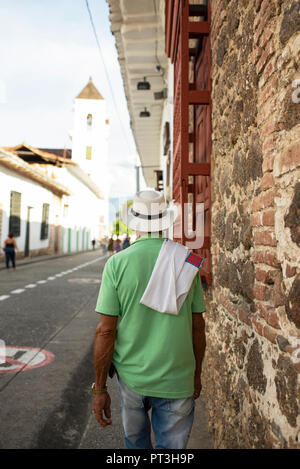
(106, 73)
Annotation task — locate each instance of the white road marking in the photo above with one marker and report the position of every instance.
(33, 285)
(3, 297)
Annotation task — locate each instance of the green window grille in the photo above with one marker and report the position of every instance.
(15, 213)
(45, 222)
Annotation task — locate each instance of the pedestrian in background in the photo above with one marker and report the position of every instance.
(110, 247)
(9, 247)
(151, 331)
(126, 243)
(117, 245)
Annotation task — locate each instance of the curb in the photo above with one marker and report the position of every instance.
(32, 260)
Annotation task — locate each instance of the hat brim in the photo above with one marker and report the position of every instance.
(149, 226)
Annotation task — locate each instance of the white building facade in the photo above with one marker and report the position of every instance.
(30, 206)
(45, 215)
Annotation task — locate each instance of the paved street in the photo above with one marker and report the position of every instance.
(47, 321)
(48, 306)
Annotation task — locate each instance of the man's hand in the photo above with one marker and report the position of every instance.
(102, 404)
(197, 386)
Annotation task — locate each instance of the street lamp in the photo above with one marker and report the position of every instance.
(145, 113)
(143, 85)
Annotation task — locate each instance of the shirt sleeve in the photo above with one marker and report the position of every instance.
(198, 304)
(108, 301)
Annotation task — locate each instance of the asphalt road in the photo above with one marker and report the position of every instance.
(48, 321)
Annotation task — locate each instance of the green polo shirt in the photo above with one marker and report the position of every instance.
(153, 351)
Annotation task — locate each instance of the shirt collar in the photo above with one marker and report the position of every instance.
(149, 236)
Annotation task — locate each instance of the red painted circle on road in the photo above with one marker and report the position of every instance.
(19, 358)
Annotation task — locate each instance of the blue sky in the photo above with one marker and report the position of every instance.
(47, 54)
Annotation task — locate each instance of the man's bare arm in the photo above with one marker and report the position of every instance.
(199, 344)
(103, 353)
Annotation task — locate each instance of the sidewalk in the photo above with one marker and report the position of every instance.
(96, 437)
(47, 257)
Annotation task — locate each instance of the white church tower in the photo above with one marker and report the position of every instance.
(90, 138)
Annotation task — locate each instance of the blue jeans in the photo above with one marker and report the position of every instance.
(10, 256)
(172, 420)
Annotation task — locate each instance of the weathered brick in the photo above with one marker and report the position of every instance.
(290, 271)
(265, 37)
(272, 318)
(263, 200)
(268, 52)
(267, 181)
(268, 217)
(261, 19)
(256, 54)
(256, 219)
(270, 126)
(266, 110)
(266, 257)
(269, 334)
(289, 159)
(278, 295)
(269, 91)
(261, 275)
(269, 314)
(265, 238)
(226, 304)
(268, 163)
(244, 316)
(261, 292)
(268, 71)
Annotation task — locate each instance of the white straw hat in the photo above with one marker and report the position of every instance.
(149, 212)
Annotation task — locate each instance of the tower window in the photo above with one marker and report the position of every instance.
(89, 121)
(88, 153)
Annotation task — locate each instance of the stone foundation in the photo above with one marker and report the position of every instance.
(252, 363)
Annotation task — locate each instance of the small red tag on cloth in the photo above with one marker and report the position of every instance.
(195, 260)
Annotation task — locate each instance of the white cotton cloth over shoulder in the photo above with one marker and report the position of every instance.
(171, 278)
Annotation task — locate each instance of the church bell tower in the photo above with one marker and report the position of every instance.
(90, 134)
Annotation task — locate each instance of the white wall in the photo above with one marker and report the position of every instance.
(167, 116)
(96, 137)
(33, 195)
(84, 212)
(83, 217)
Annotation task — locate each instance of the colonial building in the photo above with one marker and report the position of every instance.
(213, 94)
(51, 199)
(30, 206)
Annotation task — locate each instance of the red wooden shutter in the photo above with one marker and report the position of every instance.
(192, 115)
